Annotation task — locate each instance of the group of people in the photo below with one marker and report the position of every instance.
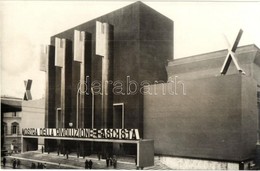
(16, 163)
(39, 166)
(111, 161)
(88, 164)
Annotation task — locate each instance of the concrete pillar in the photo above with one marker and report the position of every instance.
(104, 48)
(82, 54)
(47, 65)
(63, 59)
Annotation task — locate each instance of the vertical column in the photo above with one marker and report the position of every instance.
(47, 65)
(104, 48)
(82, 54)
(63, 59)
(257, 158)
(79, 46)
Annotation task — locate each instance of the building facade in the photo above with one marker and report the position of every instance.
(11, 124)
(140, 43)
(197, 118)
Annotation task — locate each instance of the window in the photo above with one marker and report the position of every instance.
(14, 114)
(5, 128)
(15, 128)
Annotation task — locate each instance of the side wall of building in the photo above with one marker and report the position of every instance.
(249, 117)
(205, 123)
(33, 115)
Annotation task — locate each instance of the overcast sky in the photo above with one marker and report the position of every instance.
(199, 27)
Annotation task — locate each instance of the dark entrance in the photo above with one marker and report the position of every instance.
(118, 122)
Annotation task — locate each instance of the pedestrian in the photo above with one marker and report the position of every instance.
(14, 164)
(38, 165)
(114, 163)
(67, 154)
(58, 151)
(90, 164)
(77, 154)
(111, 161)
(98, 155)
(249, 166)
(32, 166)
(4, 161)
(107, 161)
(44, 166)
(18, 163)
(86, 164)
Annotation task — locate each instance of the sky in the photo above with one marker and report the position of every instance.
(199, 27)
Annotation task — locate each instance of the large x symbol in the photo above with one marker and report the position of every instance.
(231, 56)
(27, 94)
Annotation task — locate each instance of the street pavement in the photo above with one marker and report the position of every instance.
(53, 161)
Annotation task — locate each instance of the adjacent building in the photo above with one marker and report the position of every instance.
(211, 117)
(11, 108)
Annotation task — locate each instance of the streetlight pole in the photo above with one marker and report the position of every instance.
(93, 106)
(77, 109)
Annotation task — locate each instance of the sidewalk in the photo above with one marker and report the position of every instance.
(53, 161)
(9, 166)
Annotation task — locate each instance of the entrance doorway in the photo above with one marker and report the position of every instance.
(118, 115)
(118, 122)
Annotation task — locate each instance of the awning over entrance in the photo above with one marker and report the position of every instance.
(145, 147)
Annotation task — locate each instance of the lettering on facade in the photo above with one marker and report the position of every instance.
(124, 134)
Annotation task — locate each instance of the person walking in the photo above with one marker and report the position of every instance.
(111, 161)
(14, 164)
(58, 151)
(99, 156)
(90, 164)
(38, 166)
(86, 164)
(107, 161)
(4, 161)
(114, 163)
(67, 154)
(33, 166)
(18, 164)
